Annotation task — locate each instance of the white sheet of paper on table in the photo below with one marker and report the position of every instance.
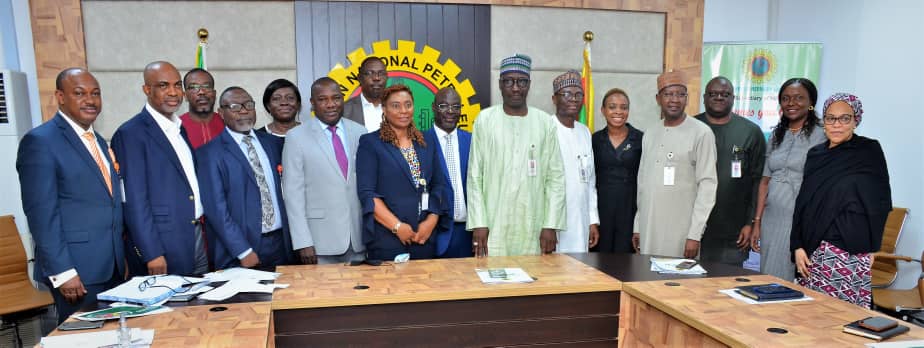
(97, 339)
(240, 273)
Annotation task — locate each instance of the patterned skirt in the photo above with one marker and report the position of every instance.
(839, 274)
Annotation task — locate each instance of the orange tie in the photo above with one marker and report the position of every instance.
(99, 159)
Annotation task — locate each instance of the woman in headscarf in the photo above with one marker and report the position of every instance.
(842, 206)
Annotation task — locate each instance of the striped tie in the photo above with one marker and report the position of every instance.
(99, 159)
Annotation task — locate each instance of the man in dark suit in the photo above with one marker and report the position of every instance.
(453, 145)
(163, 208)
(241, 191)
(366, 108)
(71, 197)
(320, 184)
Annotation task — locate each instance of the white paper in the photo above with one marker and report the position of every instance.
(897, 344)
(97, 339)
(669, 266)
(735, 295)
(159, 289)
(513, 275)
(235, 286)
(240, 273)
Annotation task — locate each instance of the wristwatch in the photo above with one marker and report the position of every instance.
(395, 229)
(755, 220)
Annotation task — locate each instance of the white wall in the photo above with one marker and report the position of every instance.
(871, 49)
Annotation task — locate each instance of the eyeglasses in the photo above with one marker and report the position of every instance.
(522, 83)
(443, 107)
(280, 98)
(718, 94)
(197, 87)
(151, 282)
(572, 96)
(163, 86)
(843, 119)
(371, 74)
(672, 95)
(238, 107)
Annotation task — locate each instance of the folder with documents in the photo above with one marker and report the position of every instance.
(149, 290)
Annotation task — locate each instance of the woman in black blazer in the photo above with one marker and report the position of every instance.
(400, 183)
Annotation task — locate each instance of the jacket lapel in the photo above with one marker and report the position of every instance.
(320, 138)
(465, 143)
(77, 143)
(399, 160)
(160, 139)
(234, 150)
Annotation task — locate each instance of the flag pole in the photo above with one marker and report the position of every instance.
(200, 48)
(587, 115)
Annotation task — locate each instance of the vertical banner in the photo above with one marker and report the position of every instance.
(757, 70)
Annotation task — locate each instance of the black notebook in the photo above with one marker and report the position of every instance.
(769, 292)
(854, 328)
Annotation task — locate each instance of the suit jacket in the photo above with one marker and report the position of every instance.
(465, 142)
(353, 110)
(324, 210)
(231, 197)
(74, 220)
(160, 209)
(382, 172)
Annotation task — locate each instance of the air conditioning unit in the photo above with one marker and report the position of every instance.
(15, 118)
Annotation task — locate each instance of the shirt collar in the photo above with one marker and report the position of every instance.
(239, 137)
(171, 125)
(366, 102)
(77, 128)
(441, 133)
(325, 125)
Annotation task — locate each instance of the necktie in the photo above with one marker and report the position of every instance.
(458, 204)
(266, 201)
(338, 151)
(99, 159)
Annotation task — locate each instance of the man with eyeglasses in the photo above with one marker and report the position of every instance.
(454, 144)
(676, 178)
(366, 108)
(740, 152)
(201, 123)
(516, 187)
(319, 183)
(241, 190)
(163, 208)
(578, 158)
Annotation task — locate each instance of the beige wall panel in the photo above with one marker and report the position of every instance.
(126, 35)
(553, 37)
(123, 97)
(644, 111)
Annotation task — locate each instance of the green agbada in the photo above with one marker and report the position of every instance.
(502, 195)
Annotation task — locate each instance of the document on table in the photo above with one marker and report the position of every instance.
(235, 286)
(503, 275)
(735, 295)
(669, 266)
(129, 310)
(240, 273)
(148, 290)
(140, 338)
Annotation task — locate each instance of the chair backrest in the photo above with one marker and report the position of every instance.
(884, 271)
(14, 266)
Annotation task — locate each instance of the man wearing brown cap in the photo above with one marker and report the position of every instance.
(676, 178)
(578, 157)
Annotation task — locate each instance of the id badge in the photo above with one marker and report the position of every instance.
(531, 167)
(736, 168)
(669, 176)
(425, 201)
(122, 186)
(583, 168)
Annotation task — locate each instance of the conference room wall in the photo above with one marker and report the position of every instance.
(627, 52)
(250, 44)
(866, 51)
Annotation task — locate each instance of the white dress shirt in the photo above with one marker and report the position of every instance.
(267, 173)
(459, 195)
(372, 115)
(171, 128)
(58, 279)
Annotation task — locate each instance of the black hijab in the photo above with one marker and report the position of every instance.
(845, 188)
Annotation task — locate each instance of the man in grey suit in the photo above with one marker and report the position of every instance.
(319, 181)
(366, 108)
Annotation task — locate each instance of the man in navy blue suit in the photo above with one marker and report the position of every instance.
(453, 144)
(241, 191)
(163, 207)
(73, 207)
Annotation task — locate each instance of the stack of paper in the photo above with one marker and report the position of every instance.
(240, 273)
(235, 286)
(97, 339)
(503, 275)
(148, 290)
(669, 266)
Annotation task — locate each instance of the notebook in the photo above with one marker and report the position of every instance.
(854, 328)
(769, 292)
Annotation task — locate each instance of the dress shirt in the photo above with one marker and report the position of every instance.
(458, 216)
(58, 279)
(267, 172)
(171, 128)
(330, 136)
(372, 115)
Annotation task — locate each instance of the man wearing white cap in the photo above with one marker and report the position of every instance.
(516, 190)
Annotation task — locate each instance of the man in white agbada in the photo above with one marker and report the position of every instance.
(578, 159)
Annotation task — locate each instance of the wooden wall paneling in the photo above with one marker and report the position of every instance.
(58, 38)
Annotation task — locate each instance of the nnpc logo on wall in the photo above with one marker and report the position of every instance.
(421, 72)
(760, 64)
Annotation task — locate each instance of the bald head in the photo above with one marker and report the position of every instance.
(163, 86)
(78, 96)
(447, 109)
(719, 98)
